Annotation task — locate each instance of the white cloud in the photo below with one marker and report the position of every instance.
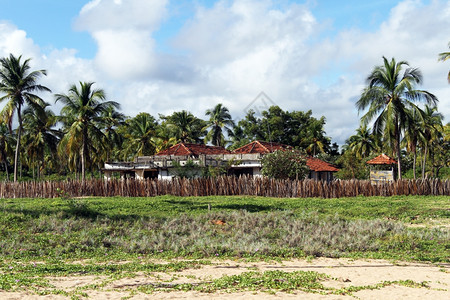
(238, 48)
(123, 32)
(15, 41)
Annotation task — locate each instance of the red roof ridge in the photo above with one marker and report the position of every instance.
(382, 159)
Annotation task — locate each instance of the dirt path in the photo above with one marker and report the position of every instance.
(344, 273)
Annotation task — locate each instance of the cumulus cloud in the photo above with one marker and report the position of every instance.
(15, 41)
(123, 32)
(228, 53)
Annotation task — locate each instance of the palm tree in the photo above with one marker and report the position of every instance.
(82, 112)
(40, 137)
(432, 131)
(389, 96)
(443, 57)
(111, 120)
(18, 84)
(414, 134)
(6, 146)
(363, 143)
(186, 127)
(139, 139)
(219, 119)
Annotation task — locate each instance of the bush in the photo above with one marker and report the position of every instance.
(284, 165)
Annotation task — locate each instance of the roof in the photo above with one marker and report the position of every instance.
(314, 164)
(260, 147)
(382, 159)
(193, 150)
(317, 165)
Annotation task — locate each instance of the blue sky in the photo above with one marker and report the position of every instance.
(161, 56)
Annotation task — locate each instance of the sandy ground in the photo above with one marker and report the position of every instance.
(345, 273)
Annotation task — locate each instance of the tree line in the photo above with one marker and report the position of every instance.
(90, 130)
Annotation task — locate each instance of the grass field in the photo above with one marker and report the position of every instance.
(117, 236)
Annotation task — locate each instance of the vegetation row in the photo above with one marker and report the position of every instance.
(90, 130)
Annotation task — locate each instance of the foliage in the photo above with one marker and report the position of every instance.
(185, 127)
(296, 128)
(443, 57)
(81, 116)
(189, 170)
(284, 165)
(219, 117)
(390, 98)
(18, 84)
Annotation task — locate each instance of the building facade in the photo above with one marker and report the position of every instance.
(245, 160)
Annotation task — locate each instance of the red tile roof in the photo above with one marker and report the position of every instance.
(193, 150)
(382, 159)
(315, 164)
(260, 147)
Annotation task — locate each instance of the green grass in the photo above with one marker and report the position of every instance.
(123, 228)
(403, 208)
(120, 237)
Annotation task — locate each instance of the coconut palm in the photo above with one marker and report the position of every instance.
(219, 119)
(110, 121)
(186, 127)
(432, 131)
(18, 84)
(6, 146)
(81, 114)
(139, 137)
(40, 136)
(413, 135)
(363, 143)
(389, 97)
(443, 57)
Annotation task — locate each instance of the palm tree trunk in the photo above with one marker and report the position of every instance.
(424, 161)
(397, 133)
(414, 163)
(19, 134)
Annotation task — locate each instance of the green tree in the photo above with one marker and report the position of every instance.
(18, 84)
(432, 132)
(140, 136)
(40, 136)
(443, 57)
(363, 143)
(111, 120)
(389, 97)
(219, 119)
(185, 127)
(284, 165)
(6, 146)
(81, 114)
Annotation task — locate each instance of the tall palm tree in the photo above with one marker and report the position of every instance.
(186, 127)
(18, 84)
(110, 121)
(40, 136)
(432, 131)
(6, 146)
(219, 119)
(389, 96)
(414, 134)
(443, 57)
(82, 112)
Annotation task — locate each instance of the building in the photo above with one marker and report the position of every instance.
(245, 160)
(382, 168)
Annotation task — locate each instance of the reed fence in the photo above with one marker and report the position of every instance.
(223, 186)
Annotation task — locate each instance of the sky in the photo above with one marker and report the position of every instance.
(161, 56)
